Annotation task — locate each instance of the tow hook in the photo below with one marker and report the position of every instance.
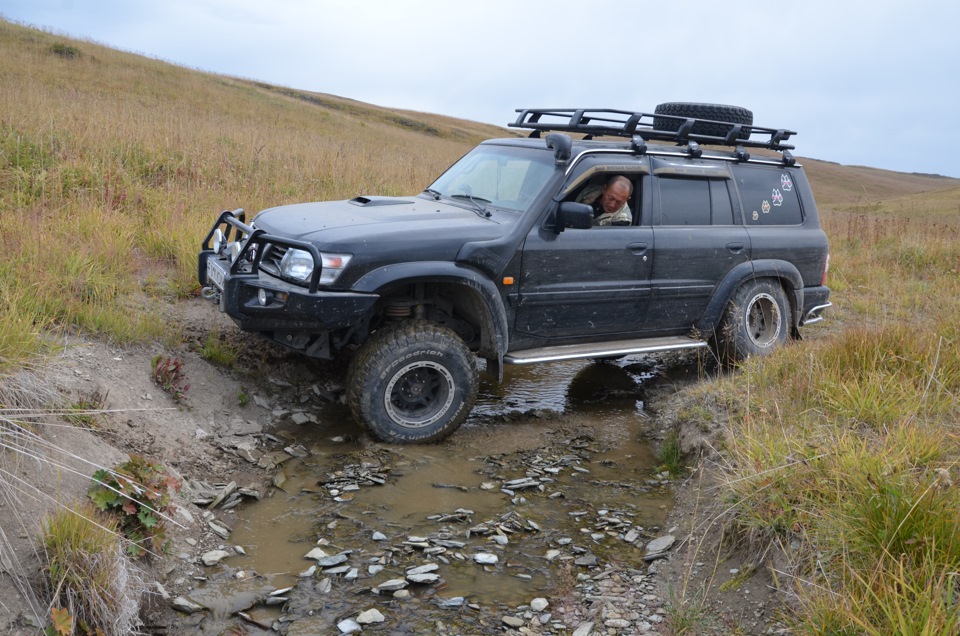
(209, 293)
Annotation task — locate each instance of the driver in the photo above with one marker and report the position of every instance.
(609, 201)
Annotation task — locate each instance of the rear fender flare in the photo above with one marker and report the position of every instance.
(785, 272)
(493, 316)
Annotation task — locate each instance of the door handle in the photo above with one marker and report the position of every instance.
(637, 248)
(736, 248)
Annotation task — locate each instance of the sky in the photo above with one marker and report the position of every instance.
(863, 82)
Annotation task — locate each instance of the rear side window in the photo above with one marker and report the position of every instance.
(685, 201)
(769, 196)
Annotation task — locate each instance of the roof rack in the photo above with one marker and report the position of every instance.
(630, 124)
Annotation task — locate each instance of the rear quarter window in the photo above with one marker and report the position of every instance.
(769, 196)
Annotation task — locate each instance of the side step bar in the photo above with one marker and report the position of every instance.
(602, 349)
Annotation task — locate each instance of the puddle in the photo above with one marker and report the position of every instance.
(550, 468)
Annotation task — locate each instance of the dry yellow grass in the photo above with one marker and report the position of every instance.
(112, 167)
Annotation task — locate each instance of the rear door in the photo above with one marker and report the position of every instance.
(698, 237)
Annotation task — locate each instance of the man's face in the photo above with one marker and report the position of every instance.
(613, 197)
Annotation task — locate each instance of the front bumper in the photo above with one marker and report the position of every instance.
(258, 302)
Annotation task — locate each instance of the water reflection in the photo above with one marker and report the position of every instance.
(576, 385)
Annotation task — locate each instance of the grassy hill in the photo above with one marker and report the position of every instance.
(112, 166)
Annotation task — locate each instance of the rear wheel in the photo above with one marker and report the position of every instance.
(755, 322)
(413, 383)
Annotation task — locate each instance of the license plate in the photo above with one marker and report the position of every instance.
(215, 273)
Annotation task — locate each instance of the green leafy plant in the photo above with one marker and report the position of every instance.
(169, 375)
(61, 623)
(139, 492)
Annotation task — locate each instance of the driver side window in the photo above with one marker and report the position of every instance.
(614, 198)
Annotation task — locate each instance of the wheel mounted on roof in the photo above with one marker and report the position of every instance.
(720, 116)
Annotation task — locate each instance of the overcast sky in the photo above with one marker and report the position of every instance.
(865, 82)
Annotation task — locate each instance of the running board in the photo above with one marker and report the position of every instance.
(602, 349)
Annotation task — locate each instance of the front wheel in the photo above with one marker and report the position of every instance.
(755, 322)
(412, 383)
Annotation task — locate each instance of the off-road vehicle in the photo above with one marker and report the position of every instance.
(497, 260)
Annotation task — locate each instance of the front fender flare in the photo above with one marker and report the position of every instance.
(494, 338)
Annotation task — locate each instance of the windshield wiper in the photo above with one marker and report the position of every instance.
(476, 201)
(434, 193)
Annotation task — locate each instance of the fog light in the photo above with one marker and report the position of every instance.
(263, 297)
(218, 240)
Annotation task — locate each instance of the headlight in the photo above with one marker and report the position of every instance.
(297, 264)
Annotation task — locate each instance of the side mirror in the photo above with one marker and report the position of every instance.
(579, 216)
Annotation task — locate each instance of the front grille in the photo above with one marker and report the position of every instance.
(272, 254)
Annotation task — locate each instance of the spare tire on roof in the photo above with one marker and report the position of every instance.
(715, 112)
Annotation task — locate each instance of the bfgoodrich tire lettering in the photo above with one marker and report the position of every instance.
(755, 322)
(413, 382)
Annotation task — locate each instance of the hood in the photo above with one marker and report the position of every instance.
(337, 225)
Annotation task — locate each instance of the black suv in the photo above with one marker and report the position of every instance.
(497, 259)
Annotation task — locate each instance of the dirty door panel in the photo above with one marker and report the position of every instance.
(699, 239)
(585, 282)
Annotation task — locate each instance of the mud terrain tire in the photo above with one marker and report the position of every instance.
(756, 321)
(717, 112)
(412, 383)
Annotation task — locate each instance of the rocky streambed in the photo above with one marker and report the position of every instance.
(545, 514)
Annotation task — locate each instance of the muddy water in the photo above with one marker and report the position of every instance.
(551, 473)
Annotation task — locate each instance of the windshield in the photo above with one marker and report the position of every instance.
(502, 176)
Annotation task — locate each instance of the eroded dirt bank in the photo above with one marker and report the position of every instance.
(269, 439)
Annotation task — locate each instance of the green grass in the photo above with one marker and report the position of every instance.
(89, 576)
(217, 350)
(670, 455)
(85, 411)
(846, 445)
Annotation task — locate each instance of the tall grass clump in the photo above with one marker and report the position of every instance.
(88, 575)
(22, 325)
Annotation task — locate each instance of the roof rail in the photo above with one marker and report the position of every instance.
(627, 123)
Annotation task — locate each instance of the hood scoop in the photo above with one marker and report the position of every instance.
(375, 201)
